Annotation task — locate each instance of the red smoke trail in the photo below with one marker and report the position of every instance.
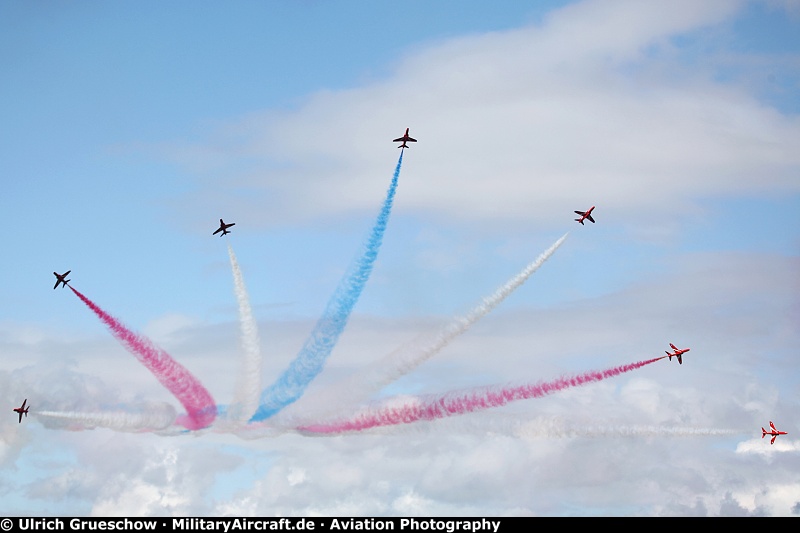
(200, 407)
(454, 403)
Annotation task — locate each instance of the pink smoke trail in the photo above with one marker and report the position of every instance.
(200, 407)
(457, 403)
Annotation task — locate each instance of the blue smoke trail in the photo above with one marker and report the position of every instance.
(309, 362)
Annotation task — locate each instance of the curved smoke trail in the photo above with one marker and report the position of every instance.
(455, 403)
(309, 362)
(200, 406)
(152, 418)
(249, 381)
(405, 359)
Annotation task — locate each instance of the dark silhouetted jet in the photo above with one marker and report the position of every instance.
(60, 279)
(223, 227)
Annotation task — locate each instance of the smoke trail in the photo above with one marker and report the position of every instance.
(249, 381)
(403, 360)
(542, 427)
(309, 362)
(565, 429)
(152, 418)
(456, 403)
(200, 407)
(631, 431)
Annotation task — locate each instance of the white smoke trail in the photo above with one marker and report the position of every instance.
(248, 389)
(542, 427)
(374, 377)
(150, 418)
(539, 429)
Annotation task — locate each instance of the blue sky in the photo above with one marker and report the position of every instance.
(129, 129)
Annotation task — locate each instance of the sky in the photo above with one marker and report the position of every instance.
(361, 280)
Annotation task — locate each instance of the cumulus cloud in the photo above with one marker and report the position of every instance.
(511, 124)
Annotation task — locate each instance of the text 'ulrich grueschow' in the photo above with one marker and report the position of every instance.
(80, 524)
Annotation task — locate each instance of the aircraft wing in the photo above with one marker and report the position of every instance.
(56, 285)
(772, 441)
(590, 218)
(772, 426)
(218, 230)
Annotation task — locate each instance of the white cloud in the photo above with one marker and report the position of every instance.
(590, 106)
(756, 446)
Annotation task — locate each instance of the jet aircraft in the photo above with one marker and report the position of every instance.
(22, 410)
(585, 215)
(60, 279)
(404, 139)
(223, 227)
(773, 431)
(677, 352)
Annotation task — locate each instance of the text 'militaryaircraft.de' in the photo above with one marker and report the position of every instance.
(404, 139)
(773, 431)
(60, 279)
(676, 352)
(223, 227)
(585, 215)
(22, 410)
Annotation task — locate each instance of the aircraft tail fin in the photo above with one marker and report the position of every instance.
(763, 432)
(579, 220)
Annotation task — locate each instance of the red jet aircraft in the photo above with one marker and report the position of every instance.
(404, 139)
(223, 227)
(677, 352)
(774, 432)
(22, 410)
(585, 215)
(60, 279)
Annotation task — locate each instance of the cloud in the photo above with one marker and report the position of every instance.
(756, 446)
(656, 444)
(595, 99)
